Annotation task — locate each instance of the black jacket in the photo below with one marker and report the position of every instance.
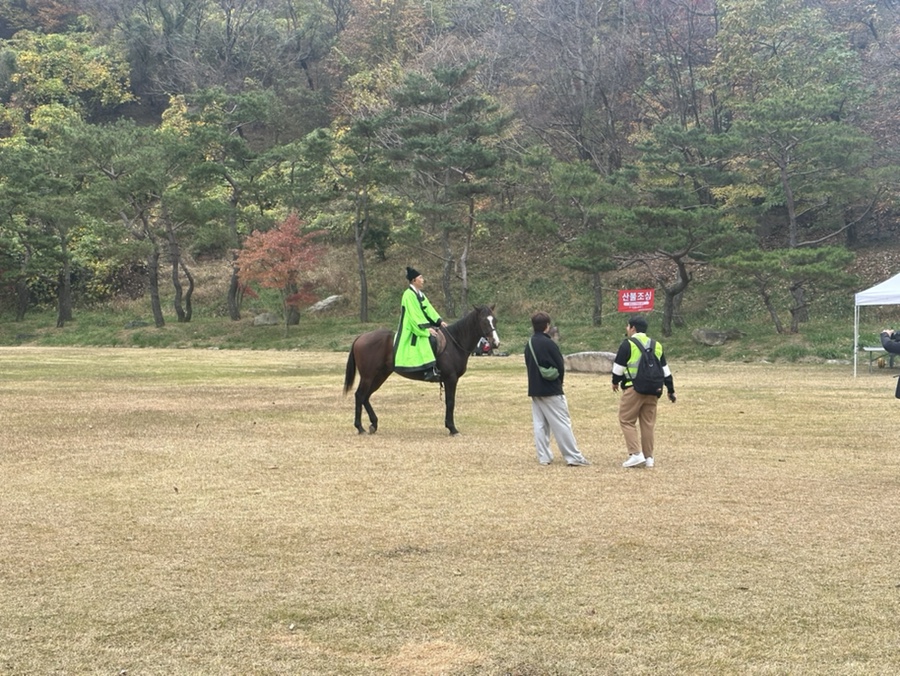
(622, 357)
(548, 354)
(889, 344)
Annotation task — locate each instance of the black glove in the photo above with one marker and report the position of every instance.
(672, 397)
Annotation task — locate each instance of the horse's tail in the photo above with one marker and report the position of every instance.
(350, 373)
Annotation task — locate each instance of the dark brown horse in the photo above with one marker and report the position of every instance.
(373, 354)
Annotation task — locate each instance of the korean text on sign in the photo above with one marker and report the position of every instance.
(635, 300)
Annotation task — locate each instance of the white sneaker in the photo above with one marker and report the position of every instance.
(634, 460)
(648, 462)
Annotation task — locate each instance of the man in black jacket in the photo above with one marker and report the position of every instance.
(890, 341)
(549, 409)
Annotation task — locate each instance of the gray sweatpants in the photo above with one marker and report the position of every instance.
(551, 415)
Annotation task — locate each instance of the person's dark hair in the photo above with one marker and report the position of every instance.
(540, 321)
(638, 323)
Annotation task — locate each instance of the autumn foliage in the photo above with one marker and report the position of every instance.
(283, 259)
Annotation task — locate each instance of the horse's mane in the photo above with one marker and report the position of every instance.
(474, 312)
(456, 328)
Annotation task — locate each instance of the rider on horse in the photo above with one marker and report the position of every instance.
(413, 347)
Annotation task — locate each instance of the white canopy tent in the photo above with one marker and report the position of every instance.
(885, 293)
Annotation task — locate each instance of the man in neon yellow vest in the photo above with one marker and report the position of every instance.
(413, 350)
(634, 407)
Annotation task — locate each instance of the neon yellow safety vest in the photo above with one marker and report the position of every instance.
(635, 355)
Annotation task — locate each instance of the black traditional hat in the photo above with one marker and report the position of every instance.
(412, 273)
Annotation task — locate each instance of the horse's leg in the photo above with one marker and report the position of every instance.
(377, 381)
(372, 381)
(450, 394)
(361, 398)
(363, 394)
(373, 419)
(366, 389)
(368, 383)
(362, 401)
(349, 377)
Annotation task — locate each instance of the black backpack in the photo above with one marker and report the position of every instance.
(649, 378)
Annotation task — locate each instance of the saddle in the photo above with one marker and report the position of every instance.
(439, 342)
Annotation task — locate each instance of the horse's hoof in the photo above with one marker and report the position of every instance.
(372, 429)
(454, 433)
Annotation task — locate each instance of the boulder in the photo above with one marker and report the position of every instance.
(590, 362)
(326, 304)
(266, 319)
(710, 337)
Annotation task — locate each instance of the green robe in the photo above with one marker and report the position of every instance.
(412, 349)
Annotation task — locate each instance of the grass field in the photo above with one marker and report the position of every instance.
(215, 512)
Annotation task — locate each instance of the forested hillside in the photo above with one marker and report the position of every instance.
(295, 146)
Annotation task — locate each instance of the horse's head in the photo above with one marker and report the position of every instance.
(487, 324)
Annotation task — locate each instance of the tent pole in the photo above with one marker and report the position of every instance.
(855, 336)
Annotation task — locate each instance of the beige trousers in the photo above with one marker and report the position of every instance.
(637, 408)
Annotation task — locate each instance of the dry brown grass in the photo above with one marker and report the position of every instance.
(205, 512)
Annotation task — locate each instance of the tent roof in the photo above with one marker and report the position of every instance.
(884, 293)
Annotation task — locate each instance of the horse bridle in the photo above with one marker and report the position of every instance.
(486, 336)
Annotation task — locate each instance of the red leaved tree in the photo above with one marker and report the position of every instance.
(278, 259)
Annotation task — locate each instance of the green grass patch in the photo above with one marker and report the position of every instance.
(712, 302)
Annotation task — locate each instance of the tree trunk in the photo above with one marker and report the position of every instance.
(678, 316)
(64, 289)
(234, 287)
(23, 293)
(293, 315)
(446, 275)
(671, 293)
(668, 311)
(790, 203)
(800, 308)
(153, 284)
(770, 306)
(464, 256)
(176, 283)
(363, 288)
(23, 298)
(361, 226)
(188, 306)
(597, 287)
(852, 233)
(175, 259)
(291, 312)
(234, 294)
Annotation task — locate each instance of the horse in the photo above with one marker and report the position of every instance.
(372, 353)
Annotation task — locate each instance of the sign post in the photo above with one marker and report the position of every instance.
(635, 300)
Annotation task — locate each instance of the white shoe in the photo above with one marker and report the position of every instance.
(634, 460)
(648, 462)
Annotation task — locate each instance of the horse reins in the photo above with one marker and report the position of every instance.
(446, 329)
